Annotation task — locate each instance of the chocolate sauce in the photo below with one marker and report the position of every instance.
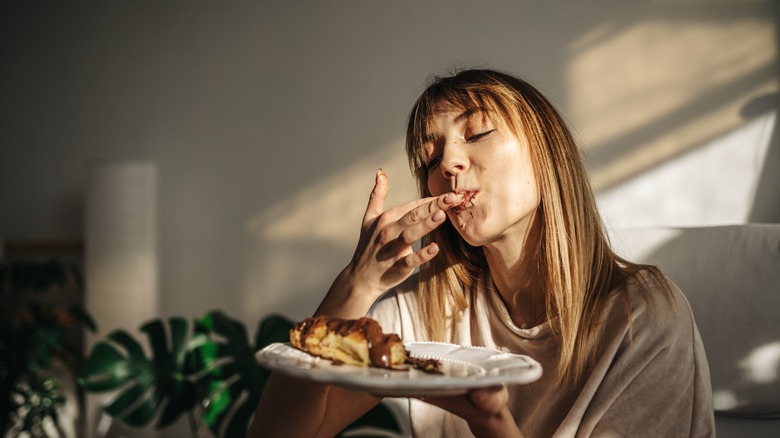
(430, 366)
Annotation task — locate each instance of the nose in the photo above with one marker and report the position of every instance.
(454, 161)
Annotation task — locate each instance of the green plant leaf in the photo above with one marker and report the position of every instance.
(181, 392)
(231, 387)
(215, 367)
(106, 368)
(147, 383)
(33, 337)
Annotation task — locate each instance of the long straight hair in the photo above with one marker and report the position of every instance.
(577, 266)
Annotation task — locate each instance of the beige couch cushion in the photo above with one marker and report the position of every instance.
(731, 276)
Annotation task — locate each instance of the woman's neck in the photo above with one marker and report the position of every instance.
(514, 268)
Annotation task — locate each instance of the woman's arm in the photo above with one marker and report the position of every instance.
(384, 258)
(291, 407)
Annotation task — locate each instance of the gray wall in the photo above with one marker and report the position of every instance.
(267, 120)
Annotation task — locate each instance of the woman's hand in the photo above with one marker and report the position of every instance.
(484, 409)
(384, 256)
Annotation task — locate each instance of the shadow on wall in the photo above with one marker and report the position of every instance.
(731, 277)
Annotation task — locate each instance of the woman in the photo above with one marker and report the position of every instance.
(513, 257)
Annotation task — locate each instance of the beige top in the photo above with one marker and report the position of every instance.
(651, 379)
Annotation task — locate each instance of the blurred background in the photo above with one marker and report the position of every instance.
(222, 153)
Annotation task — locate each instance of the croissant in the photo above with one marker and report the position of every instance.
(357, 342)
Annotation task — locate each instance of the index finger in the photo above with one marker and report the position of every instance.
(443, 202)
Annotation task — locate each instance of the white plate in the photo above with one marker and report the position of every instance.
(463, 368)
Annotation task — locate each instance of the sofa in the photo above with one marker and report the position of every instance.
(731, 277)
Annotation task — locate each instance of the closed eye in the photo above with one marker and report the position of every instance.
(476, 137)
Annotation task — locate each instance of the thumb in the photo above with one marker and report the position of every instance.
(376, 202)
(489, 400)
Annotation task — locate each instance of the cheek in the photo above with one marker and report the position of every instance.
(522, 192)
(526, 191)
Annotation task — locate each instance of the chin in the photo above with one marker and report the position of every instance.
(468, 228)
(472, 237)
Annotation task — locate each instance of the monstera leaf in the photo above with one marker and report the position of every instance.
(120, 362)
(230, 380)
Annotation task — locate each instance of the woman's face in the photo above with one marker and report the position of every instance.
(474, 154)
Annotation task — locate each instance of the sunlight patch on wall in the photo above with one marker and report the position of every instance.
(331, 210)
(622, 80)
(645, 93)
(298, 246)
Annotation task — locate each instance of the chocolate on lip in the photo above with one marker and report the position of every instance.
(468, 197)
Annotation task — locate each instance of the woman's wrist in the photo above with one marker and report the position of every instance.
(347, 298)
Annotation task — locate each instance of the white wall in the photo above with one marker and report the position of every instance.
(267, 120)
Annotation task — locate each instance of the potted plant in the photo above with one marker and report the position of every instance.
(40, 345)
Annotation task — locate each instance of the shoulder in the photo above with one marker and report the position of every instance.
(657, 310)
(647, 333)
(653, 293)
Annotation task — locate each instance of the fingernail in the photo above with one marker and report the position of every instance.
(449, 198)
(439, 215)
(381, 176)
(433, 249)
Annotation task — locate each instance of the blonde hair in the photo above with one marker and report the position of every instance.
(576, 263)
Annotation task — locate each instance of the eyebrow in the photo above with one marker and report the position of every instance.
(466, 114)
(458, 119)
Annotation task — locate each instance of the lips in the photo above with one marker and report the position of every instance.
(468, 199)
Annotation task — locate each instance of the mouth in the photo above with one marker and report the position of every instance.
(469, 195)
